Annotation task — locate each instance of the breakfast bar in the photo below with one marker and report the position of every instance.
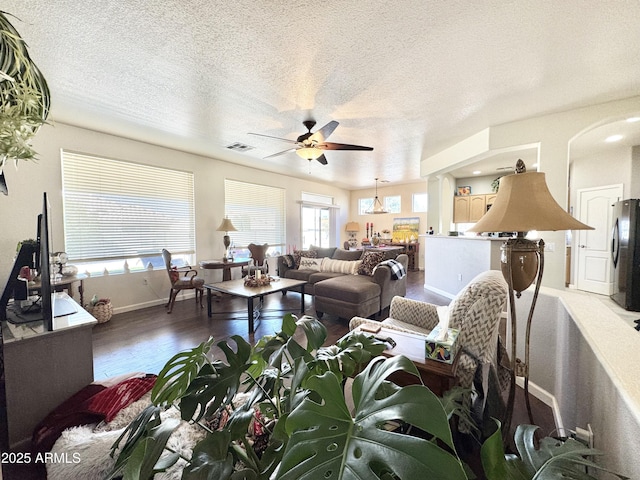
(450, 262)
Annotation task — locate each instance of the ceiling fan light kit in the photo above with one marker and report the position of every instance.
(311, 146)
(309, 153)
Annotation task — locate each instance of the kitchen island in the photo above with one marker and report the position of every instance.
(451, 262)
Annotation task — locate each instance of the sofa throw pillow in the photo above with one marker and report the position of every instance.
(298, 254)
(341, 266)
(323, 252)
(369, 261)
(307, 263)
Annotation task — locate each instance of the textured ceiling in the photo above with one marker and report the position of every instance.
(407, 78)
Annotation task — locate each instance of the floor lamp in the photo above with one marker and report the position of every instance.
(226, 226)
(523, 204)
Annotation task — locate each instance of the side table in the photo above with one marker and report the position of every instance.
(225, 266)
(438, 376)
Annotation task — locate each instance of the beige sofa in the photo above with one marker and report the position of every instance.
(332, 278)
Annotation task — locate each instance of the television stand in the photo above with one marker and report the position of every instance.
(44, 368)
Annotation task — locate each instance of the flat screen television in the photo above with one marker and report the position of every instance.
(34, 256)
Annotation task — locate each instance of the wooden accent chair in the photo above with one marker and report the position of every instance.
(258, 260)
(183, 278)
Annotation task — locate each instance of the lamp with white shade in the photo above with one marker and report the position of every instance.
(523, 204)
(226, 226)
(352, 229)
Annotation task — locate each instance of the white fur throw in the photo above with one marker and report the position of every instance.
(340, 266)
(86, 448)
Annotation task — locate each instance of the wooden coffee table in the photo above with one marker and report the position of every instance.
(238, 289)
(438, 376)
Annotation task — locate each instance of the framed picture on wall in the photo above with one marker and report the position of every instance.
(465, 190)
(405, 230)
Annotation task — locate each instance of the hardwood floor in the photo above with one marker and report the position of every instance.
(143, 340)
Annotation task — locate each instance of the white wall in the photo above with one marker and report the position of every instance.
(19, 209)
(479, 185)
(385, 221)
(586, 356)
(611, 167)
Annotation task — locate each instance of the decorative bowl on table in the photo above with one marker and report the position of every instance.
(252, 281)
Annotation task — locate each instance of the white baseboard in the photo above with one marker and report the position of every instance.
(438, 291)
(153, 303)
(548, 399)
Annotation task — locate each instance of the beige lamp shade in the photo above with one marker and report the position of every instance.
(352, 227)
(226, 226)
(524, 203)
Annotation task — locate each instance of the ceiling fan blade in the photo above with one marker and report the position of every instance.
(270, 136)
(322, 134)
(281, 153)
(322, 159)
(341, 146)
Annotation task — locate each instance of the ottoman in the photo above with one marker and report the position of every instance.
(347, 296)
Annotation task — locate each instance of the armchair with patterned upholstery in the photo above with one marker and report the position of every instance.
(476, 311)
(181, 278)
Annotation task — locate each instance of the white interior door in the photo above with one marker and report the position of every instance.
(594, 246)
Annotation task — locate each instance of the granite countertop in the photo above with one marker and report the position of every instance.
(463, 237)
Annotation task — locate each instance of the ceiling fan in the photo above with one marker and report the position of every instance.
(311, 146)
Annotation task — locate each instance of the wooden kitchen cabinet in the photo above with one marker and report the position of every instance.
(477, 207)
(461, 209)
(469, 208)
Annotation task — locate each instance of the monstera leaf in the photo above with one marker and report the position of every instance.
(554, 459)
(327, 442)
(277, 350)
(347, 355)
(217, 383)
(174, 379)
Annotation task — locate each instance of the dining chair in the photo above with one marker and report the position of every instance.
(181, 278)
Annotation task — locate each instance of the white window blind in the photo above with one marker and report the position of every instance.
(117, 210)
(257, 212)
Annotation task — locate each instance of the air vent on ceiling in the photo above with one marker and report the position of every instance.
(240, 147)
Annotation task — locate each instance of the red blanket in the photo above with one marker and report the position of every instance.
(92, 404)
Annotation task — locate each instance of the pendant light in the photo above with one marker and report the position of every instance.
(377, 207)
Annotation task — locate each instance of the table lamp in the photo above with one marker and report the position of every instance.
(523, 204)
(352, 229)
(226, 226)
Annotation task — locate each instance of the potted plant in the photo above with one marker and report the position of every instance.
(24, 98)
(294, 421)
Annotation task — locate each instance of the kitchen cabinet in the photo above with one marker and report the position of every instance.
(477, 207)
(469, 208)
(461, 209)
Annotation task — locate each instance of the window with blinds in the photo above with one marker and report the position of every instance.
(118, 210)
(257, 212)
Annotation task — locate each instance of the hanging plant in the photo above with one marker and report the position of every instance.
(495, 185)
(24, 98)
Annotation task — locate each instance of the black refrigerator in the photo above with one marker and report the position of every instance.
(625, 253)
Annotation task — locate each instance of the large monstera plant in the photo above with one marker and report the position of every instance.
(24, 98)
(299, 393)
(314, 423)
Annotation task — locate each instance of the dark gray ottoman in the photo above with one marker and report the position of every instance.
(347, 296)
